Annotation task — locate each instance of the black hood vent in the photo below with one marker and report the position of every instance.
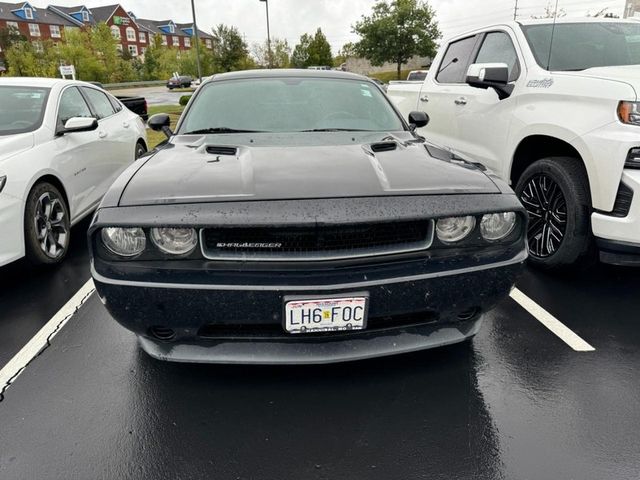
(219, 150)
(383, 147)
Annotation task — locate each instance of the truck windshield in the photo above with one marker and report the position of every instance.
(21, 109)
(289, 104)
(579, 46)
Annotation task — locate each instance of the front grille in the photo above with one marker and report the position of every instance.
(315, 242)
(623, 201)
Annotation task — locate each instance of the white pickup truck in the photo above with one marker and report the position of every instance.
(555, 110)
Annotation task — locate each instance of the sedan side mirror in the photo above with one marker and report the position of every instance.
(160, 122)
(79, 124)
(490, 75)
(418, 120)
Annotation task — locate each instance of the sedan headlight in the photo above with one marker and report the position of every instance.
(124, 242)
(454, 229)
(629, 112)
(496, 226)
(175, 241)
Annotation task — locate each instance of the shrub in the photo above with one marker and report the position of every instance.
(184, 99)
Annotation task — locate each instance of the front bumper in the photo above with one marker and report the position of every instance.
(611, 230)
(12, 232)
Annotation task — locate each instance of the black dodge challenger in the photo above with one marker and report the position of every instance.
(295, 217)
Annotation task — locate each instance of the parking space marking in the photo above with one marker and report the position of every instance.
(552, 323)
(42, 339)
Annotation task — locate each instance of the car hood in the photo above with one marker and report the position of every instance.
(296, 166)
(629, 74)
(11, 145)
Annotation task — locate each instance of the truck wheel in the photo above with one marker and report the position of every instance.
(47, 227)
(555, 193)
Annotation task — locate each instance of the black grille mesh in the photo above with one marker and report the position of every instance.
(316, 241)
(623, 201)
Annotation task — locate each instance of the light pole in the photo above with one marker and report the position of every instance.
(266, 4)
(197, 39)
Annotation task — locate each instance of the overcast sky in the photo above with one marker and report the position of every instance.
(291, 18)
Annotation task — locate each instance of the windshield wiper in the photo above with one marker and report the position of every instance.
(337, 130)
(221, 130)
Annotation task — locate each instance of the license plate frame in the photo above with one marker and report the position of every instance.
(325, 299)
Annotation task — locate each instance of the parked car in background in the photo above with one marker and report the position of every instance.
(182, 81)
(417, 75)
(136, 104)
(554, 110)
(62, 143)
(295, 217)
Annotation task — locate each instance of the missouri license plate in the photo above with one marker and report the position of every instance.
(318, 315)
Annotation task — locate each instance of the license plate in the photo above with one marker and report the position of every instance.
(318, 315)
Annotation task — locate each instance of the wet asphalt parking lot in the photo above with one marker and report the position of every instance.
(516, 403)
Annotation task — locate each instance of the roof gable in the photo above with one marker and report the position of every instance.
(25, 12)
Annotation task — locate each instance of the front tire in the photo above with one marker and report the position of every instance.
(47, 226)
(555, 193)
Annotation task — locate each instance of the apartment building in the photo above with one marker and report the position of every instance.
(35, 24)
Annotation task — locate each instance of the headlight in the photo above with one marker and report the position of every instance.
(125, 242)
(629, 112)
(3, 182)
(496, 226)
(175, 241)
(454, 229)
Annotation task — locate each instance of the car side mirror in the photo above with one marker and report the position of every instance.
(160, 122)
(490, 75)
(79, 124)
(418, 119)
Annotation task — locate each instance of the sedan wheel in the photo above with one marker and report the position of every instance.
(47, 225)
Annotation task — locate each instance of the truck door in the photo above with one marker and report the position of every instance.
(482, 119)
(443, 86)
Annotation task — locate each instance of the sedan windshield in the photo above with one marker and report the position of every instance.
(579, 46)
(289, 104)
(21, 109)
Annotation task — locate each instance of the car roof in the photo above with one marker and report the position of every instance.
(37, 82)
(544, 21)
(287, 72)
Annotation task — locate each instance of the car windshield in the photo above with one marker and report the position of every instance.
(290, 104)
(21, 109)
(579, 46)
(415, 76)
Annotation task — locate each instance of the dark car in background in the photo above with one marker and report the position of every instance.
(295, 217)
(182, 81)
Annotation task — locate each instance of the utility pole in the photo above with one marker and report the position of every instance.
(266, 4)
(197, 39)
(515, 10)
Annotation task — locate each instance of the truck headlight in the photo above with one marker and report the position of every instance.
(174, 241)
(124, 242)
(496, 226)
(629, 112)
(454, 229)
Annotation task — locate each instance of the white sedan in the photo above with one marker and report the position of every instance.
(62, 144)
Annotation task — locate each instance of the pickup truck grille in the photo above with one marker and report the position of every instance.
(315, 242)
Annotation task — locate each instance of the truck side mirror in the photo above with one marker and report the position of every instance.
(160, 122)
(490, 75)
(418, 120)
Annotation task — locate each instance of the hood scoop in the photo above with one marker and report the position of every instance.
(383, 147)
(222, 150)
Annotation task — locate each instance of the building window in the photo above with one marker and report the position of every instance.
(34, 30)
(12, 25)
(115, 31)
(133, 50)
(143, 37)
(208, 43)
(85, 16)
(37, 46)
(119, 47)
(28, 13)
(172, 29)
(164, 40)
(187, 42)
(131, 34)
(55, 31)
(143, 50)
(176, 41)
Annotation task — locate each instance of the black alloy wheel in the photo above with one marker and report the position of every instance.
(555, 192)
(47, 225)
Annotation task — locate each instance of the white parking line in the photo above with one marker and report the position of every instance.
(42, 339)
(552, 323)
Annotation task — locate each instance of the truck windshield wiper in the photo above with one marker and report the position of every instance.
(221, 130)
(337, 130)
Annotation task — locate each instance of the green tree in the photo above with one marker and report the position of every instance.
(229, 48)
(347, 51)
(75, 49)
(9, 36)
(280, 53)
(396, 31)
(31, 59)
(312, 50)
